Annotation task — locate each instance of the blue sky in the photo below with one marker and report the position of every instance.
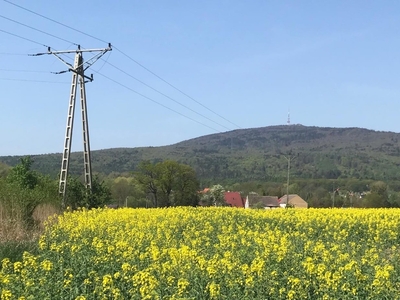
(331, 63)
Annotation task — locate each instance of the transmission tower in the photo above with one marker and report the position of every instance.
(78, 75)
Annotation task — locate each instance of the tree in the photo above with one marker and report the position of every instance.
(147, 176)
(79, 196)
(394, 199)
(4, 169)
(26, 189)
(215, 196)
(167, 172)
(186, 187)
(22, 175)
(378, 197)
(124, 187)
(100, 195)
(168, 182)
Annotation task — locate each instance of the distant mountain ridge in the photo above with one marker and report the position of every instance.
(256, 154)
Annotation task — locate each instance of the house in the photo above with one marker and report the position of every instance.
(294, 200)
(267, 202)
(234, 199)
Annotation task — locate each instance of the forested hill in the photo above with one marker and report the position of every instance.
(257, 154)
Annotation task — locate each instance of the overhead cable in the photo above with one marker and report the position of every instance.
(33, 80)
(50, 19)
(127, 56)
(174, 87)
(126, 73)
(148, 98)
(41, 31)
(24, 38)
(172, 99)
(24, 71)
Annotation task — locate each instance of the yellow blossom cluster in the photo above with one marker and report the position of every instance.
(212, 253)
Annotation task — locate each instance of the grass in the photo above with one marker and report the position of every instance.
(15, 238)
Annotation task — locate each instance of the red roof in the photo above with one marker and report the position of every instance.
(234, 199)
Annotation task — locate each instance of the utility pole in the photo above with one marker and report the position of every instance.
(289, 158)
(78, 75)
(333, 195)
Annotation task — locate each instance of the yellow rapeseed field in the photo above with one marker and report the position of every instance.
(212, 253)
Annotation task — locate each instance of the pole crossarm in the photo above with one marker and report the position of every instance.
(79, 50)
(78, 78)
(72, 68)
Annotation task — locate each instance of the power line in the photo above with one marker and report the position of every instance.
(24, 71)
(174, 87)
(126, 73)
(47, 18)
(127, 56)
(10, 79)
(32, 80)
(41, 31)
(8, 53)
(172, 99)
(148, 98)
(24, 38)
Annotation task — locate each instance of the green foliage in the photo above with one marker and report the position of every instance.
(14, 250)
(186, 187)
(168, 183)
(378, 196)
(24, 189)
(135, 202)
(22, 175)
(251, 155)
(78, 196)
(124, 189)
(147, 176)
(247, 160)
(4, 169)
(214, 197)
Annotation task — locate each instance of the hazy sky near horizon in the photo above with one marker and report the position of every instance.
(239, 64)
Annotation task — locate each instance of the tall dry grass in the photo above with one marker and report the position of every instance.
(15, 237)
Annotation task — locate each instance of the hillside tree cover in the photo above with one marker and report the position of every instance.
(252, 155)
(248, 160)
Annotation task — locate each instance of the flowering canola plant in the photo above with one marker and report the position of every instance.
(212, 253)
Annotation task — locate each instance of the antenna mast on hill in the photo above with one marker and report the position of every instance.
(78, 74)
(288, 118)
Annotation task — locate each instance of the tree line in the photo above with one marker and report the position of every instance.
(170, 183)
(161, 184)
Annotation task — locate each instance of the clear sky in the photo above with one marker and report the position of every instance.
(243, 64)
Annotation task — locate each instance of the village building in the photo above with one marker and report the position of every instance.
(294, 201)
(266, 202)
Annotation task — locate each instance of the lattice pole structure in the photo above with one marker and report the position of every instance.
(78, 76)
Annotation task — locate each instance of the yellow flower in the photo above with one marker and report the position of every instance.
(107, 281)
(17, 266)
(47, 265)
(182, 285)
(6, 295)
(214, 290)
